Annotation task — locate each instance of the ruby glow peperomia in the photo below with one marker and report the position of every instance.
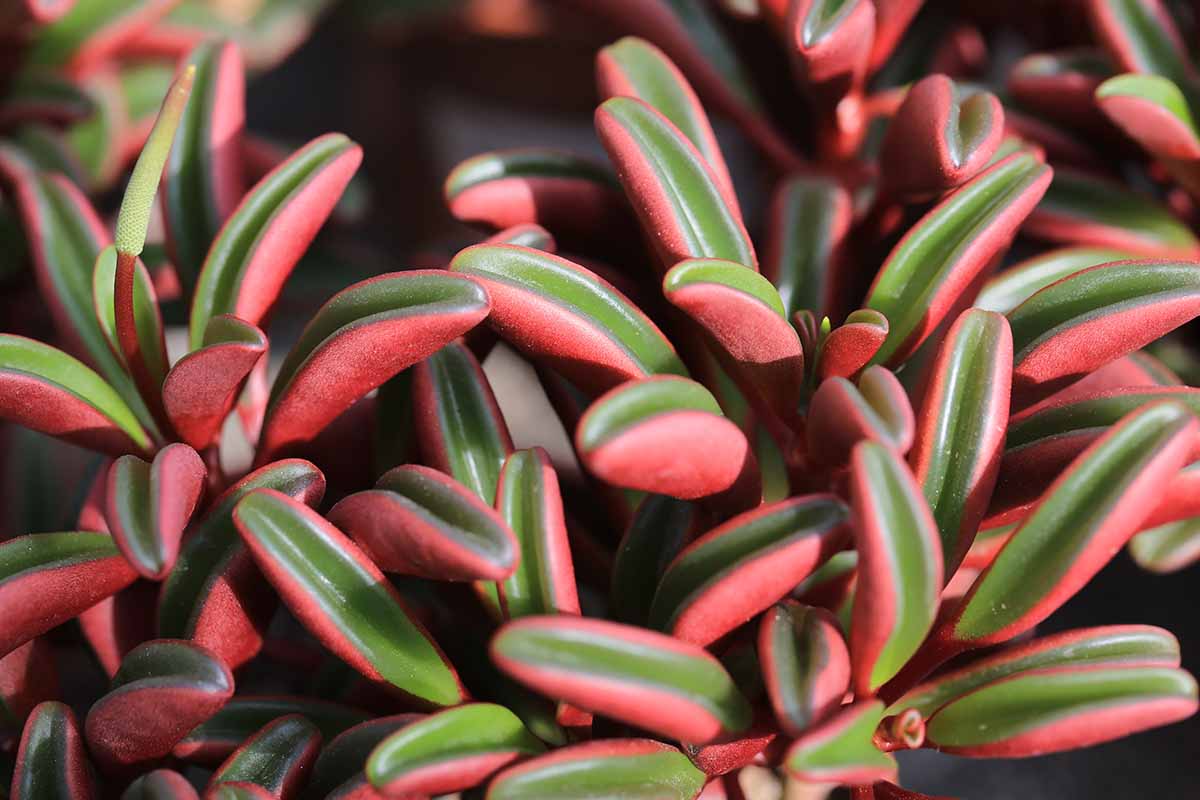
(829, 456)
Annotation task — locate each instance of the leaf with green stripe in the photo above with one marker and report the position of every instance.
(1018, 283)
(1153, 111)
(807, 223)
(51, 760)
(647, 679)
(538, 297)
(659, 530)
(278, 758)
(841, 749)
(449, 751)
(805, 664)
(342, 597)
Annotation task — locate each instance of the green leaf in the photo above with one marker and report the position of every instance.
(1017, 284)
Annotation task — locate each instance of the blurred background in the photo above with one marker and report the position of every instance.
(424, 84)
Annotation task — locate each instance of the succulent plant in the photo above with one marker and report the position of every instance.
(821, 485)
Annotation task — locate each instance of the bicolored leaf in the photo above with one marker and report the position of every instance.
(213, 740)
(199, 391)
(841, 749)
(807, 223)
(1167, 548)
(899, 566)
(745, 319)
(340, 770)
(531, 506)
(360, 338)
(526, 235)
(1153, 111)
(665, 435)
(458, 423)
(1081, 522)
(1043, 440)
(215, 596)
(1017, 284)
(633, 67)
(637, 769)
(1142, 37)
(830, 41)
(278, 758)
(163, 689)
(741, 567)
(851, 346)
(637, 676)
(1082, 322)
(659, 530)
(49, 391)
(942, 135)
(558, 312)
(572, 196)
(841, 414)
(271, 228)
(1109, 646)
(90, 32)
(203, 181)
(48, 578)
(342, 597)
(41, 95)
(805, 664)
(161, 784)
(1079, 209)
(147, 324)
(1060, 84)
(51, 761)
(418, 521)
(150, 504)
(960, 430)
(449, 751)
(1045, 711)
(944, 253)
(682, 204)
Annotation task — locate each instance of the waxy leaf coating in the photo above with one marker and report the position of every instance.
(638, 769)
(342, 597)
(419, 521)
(644, 678)
(740, 568)
(51, 760)
(450, 750)
(566, 315)
(163, 689)
(682, 204)
(805, 664)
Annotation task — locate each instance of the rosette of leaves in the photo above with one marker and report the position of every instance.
(833, 477)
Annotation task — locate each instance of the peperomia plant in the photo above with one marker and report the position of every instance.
(833, 476)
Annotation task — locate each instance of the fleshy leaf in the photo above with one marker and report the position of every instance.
(449, 751)
(271, 228)
(636, 769)
(203, 180)
(1110, 646)
(340, 770)
(559, 312)
(530, 503)
(807, 224)
(160, 784)
(805, 664)
(943, 254)
(960, 430)
(342, 597)
(1046, 711)
(215, 596)
(163, 689)
(1169, 547)
(665, 435)
(147, 340)
(1082, 322)
(1152, 111)
(841, 750)
(899, 566)
(660, 528)
(91, 32)
(150, 504)
(418, 521)
(741, 567)
(842, 414)
(647, 679)
(49, 391)
(48, 578)
(851, 346)
(359, 339)
(682, 204)
(1017, 284)
(51, 760)
(278, 758)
